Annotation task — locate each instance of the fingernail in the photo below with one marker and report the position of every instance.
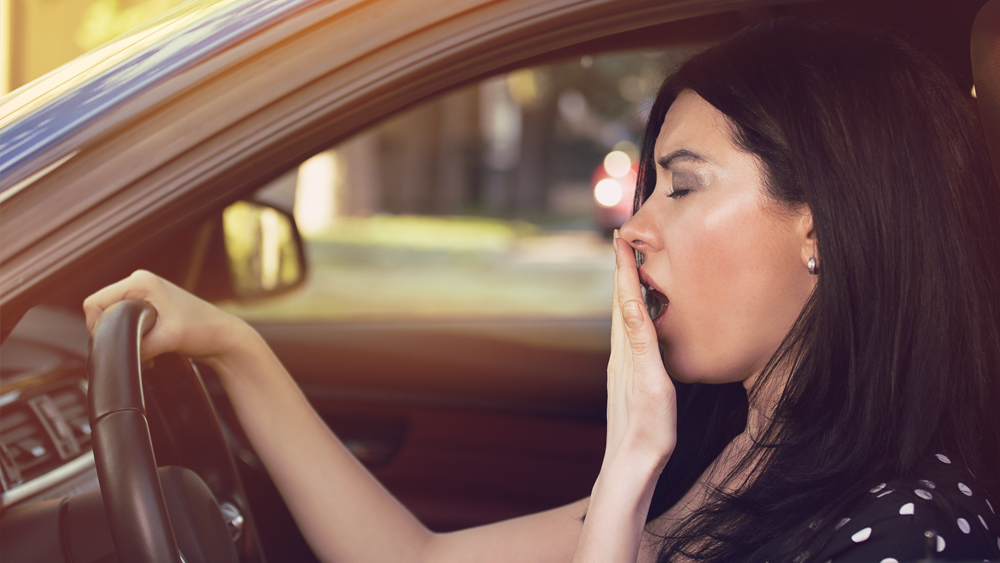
(616, 234)
(632, 313)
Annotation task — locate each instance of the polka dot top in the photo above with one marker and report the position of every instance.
(945, 517)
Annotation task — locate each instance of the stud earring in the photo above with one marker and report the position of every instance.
(813, 267)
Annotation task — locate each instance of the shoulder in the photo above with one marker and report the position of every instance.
(942, 514)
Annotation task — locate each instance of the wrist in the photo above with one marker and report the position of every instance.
(638, 469)
(618, 508)
(628, 480)
(236, 345)
(645, 454)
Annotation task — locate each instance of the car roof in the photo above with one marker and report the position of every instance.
(67, 99)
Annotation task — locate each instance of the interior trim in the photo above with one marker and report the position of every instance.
(50, 479)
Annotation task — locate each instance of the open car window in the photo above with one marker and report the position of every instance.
(496, 200)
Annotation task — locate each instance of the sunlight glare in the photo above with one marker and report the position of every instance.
(315, 202)
(608, 192)
(617, 164)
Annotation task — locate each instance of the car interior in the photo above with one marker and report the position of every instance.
(438, 283)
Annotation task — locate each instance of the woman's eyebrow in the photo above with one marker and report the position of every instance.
(679, 154)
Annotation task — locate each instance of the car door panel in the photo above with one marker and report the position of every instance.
(457, 468)
(451, 363)
(463, 422)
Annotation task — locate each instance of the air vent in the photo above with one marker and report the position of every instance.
(72, 404)
(42, 431)
(29, 445)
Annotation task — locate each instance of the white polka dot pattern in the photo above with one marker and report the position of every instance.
(861, 535)
(876, 534)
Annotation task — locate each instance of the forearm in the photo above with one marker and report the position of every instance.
(543, 537)
(616, 518)
(343, 512)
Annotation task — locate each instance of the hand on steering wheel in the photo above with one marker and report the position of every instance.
(142, 521)
(186, 324)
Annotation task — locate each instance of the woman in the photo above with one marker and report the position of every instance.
(818, 232)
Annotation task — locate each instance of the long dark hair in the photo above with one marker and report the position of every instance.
(896, 354)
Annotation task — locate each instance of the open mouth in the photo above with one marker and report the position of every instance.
(656, 302)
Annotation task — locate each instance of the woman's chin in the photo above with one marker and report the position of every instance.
(684, 377)
(677, 370)
(687, 371)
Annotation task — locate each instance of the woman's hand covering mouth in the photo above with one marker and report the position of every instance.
(642, 425)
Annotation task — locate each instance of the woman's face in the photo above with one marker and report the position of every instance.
(728, 262)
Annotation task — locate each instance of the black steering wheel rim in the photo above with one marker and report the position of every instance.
(123, 452)
(177, 420)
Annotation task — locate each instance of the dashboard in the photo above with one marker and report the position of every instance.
(53, 506)
(45, 442)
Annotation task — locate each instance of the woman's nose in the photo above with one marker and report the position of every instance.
(642, 231)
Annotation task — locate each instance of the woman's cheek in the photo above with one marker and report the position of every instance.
(690, 327)
(713, 273)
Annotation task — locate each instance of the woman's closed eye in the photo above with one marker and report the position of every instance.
(678, 192)
(683, 182)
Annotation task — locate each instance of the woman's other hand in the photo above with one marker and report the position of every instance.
(185, 324)
(642, 425)
(642, 407)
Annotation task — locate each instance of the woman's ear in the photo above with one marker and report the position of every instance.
(806, 235)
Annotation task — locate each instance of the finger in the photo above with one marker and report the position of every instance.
(100, 300)
(136, 286)
(627, 274)
(638, 326)
(618, 338)
(614, 290)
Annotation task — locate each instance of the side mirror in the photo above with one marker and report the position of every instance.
(254, 251)
(263, 249)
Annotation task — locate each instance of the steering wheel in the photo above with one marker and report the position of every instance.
(145, 524)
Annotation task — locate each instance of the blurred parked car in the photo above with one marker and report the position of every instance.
(438, 289)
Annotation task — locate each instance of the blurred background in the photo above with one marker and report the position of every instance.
(494, 200)
(37, 36)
